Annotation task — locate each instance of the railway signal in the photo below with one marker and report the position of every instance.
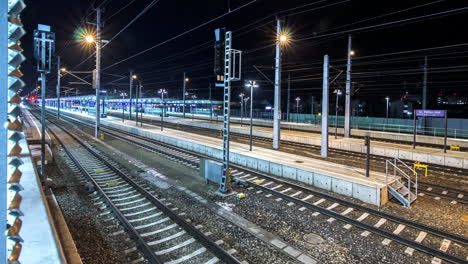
(44, 47)
(229, 71)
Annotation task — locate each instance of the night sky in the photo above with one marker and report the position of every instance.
(316, 28)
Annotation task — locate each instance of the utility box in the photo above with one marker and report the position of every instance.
(211, 171)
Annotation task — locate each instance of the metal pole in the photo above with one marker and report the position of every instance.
(225, 178)
(386, 115)
(347, 121)
(130, 95)
(367, 155)
(251, 112)
(211, 104)
(336, 114)
(136, 103)
(123, 108)
(312, 109)
(289, 97)
(183, 97)
(424, 92)
(58, 87)
(43, 124)
(445, 134)
(162, 112)
(142, 109)
(324, 146)
(277, 109)
(242, 108)
(98, 72)
(414, 128)
(43, 98)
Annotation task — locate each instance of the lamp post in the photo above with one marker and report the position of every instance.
(298, 101)
(184, 94)
(162, 92)
(132, 77)
(281, 39)
(137, 95)
(142, 109)
(242, 104)
(123, 106)
(193, 99)
(251, 85)
(338, 93)
(387, 99)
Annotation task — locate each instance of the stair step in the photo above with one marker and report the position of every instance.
(403, 191)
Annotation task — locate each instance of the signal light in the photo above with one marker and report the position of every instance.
(219, 48)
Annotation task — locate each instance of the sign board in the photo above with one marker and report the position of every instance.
(430, 113)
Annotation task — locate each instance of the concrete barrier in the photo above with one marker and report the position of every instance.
(363, 189)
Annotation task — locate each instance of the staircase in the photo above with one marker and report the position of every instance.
(402, 184)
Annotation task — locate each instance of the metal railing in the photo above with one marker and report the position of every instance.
(407, 177)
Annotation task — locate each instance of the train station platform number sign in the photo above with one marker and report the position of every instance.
(430, 113)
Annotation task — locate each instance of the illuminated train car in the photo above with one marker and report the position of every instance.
(152, 106)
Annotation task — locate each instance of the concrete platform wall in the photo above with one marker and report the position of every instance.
(354, 132)
(381, 151)
(321, 179)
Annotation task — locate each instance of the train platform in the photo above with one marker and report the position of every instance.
(342, 179)
(457, 159)
(42, 240)
(402, 135)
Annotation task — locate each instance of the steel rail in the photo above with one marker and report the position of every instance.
(402, 240)
(389, 235)
(199, 236)
(141, 244)
(396, 219)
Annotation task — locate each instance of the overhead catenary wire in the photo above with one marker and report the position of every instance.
(179, 35)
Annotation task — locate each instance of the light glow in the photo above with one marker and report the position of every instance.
(89, 39)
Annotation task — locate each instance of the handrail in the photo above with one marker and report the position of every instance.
(403, 173)
(415, 173)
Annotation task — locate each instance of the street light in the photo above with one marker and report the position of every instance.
(89, 39)
(193, 96)
(123, 105)
(387, 99)
(137, 95)
(298, 100)
(162, 92)
(241, 95)
(338, 93)
(352, 52)
(251, 85)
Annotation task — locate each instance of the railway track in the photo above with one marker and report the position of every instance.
(441, 245)
(245, 122)
(159, 232)
(378, 162)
